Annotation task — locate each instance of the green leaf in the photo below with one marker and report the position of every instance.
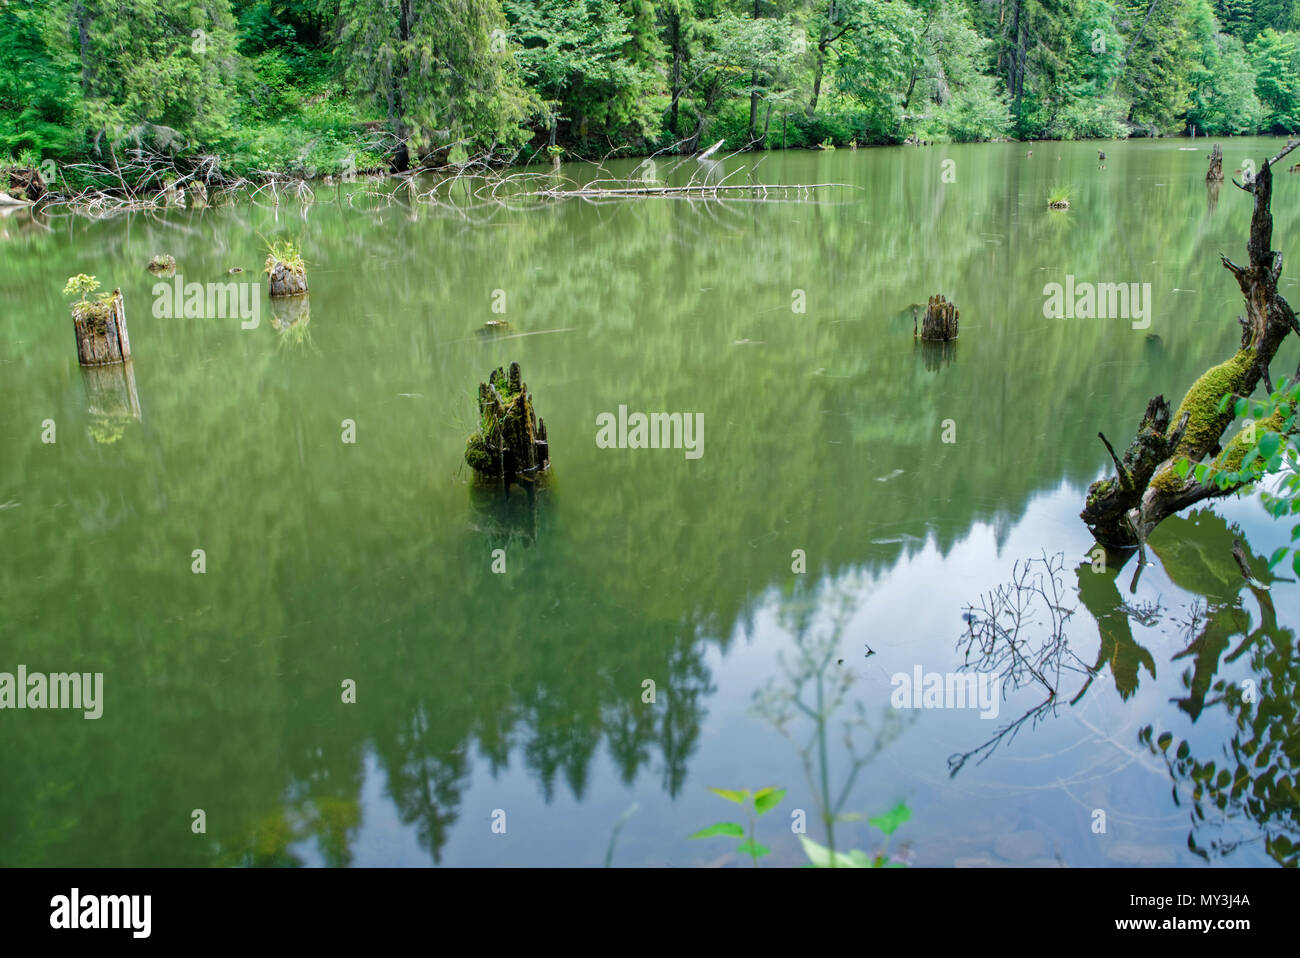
(1295, 562)
(889, 822)
(1268, 444)
(730, 829)
(1223, 403)
(823, 857)
(1182, 467)
(754, 849)
(1200, 471)
(768, 798)
(731, 795)
(1277, 555)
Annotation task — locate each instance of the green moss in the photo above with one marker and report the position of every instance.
(1099, 489)
(477, 456)
(1205, 423)
(1231, 458)
(95, 312)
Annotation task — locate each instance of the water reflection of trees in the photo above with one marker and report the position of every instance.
(1247, 794)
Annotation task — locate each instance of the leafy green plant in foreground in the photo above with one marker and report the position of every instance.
(758, 803)
(1266, 446)
(822, 857)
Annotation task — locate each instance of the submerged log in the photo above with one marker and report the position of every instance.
(101, 330)
(940, 322)
(1215, 172)
(511, 443)
(1121, 510)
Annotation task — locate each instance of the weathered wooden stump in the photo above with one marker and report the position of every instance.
(511, 444)
(940, 322)
(101, 330)
(286, 279)
(1215, 172)
(110, 391)
(162, 263)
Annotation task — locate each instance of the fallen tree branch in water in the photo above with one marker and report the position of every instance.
(1122, 510)
(697, 189)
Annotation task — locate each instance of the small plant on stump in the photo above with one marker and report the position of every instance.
(162, 263)
(1059, 198)
(95, 312)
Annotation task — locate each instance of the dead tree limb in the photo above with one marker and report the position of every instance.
(1121, 510)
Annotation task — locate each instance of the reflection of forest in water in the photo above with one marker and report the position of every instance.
(329, 562)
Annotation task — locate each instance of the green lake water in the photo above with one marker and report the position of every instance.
(518, 699)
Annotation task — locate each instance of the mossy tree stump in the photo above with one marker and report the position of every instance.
(511, 444)
(101, 330)
(940, 322)
(1215, 172)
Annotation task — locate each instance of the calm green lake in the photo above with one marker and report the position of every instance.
(486, 701)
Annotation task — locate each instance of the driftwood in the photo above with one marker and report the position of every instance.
(100, 325)
(1121, 510)
(940, 322)
(1215, 172)
(511, 444)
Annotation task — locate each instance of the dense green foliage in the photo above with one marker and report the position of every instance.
(322, 86)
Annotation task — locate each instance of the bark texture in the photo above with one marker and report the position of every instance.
(940, 322)
(285, 281)
(101, 331)
(511, 444)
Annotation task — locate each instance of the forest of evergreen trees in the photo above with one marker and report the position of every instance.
(311, 87)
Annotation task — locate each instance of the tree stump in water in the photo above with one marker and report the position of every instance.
(101, 330)
(511, 444)
(1215, 172)
(940, 322)
(286, 280)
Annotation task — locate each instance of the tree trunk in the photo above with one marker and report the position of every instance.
(818, 70)
(1122, 510)
(101, 331)
(1215, 172)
